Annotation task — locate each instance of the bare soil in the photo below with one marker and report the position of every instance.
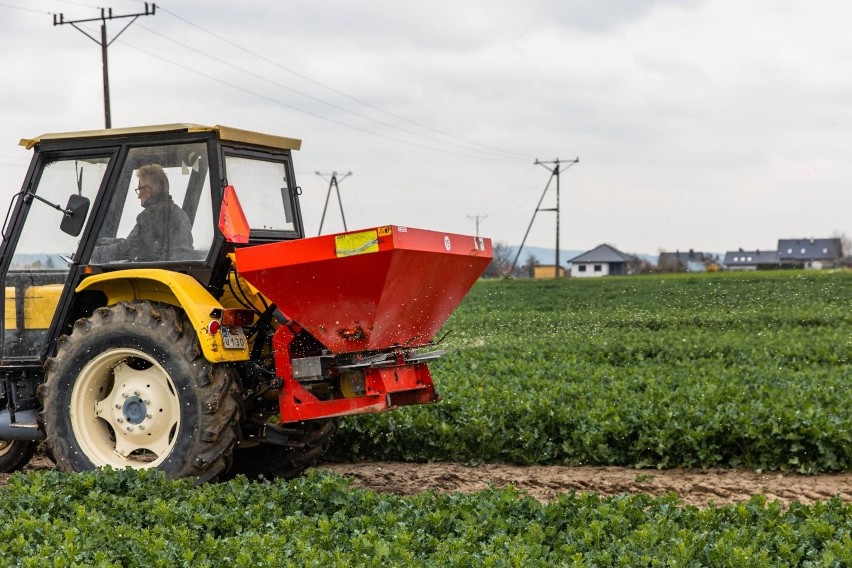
(699, 487)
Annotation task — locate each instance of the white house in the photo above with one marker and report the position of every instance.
(602, 260)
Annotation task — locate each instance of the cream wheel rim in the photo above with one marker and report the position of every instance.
(125, 410)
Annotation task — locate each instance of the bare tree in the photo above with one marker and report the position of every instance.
(528, 268)
(845, 243)
(667, 264)
(501, 263)
(638, 265)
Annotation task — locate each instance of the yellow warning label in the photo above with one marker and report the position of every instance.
(385, 231)
(356, 243)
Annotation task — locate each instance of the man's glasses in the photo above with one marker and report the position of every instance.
(138, 190)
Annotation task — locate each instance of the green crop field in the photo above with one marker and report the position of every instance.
(713, 370)
(728, 370)
(131, 518)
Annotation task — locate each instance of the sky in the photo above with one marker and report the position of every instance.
(708, 125)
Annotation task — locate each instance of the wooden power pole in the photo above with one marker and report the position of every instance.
(554, 173)
(106, 14)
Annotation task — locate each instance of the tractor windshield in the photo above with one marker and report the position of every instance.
(40, 263)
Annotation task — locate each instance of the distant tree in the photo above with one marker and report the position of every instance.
(50, 263)
(501, 263)
(528, 268)
(666, 265)
(845, 243)
(637, 265)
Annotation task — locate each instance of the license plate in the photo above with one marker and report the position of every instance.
(233, 338)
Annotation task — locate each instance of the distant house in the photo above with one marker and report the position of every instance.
(740, 260)
(685, 261)
(547, 271)
(602, 260)
(810, 253)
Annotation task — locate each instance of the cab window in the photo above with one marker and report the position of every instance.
(161, 208)
(43, 252)
(263, 191)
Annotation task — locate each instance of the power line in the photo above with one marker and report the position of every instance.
(504, 155)
(2, 5)
(512, 196)
(242, 69)
(343, 94)
(310, 113)
(106, 14)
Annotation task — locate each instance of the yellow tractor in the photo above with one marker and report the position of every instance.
(164, 309)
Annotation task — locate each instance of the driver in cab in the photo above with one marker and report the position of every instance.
(162, 231)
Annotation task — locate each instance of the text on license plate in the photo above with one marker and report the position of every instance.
(233, 338)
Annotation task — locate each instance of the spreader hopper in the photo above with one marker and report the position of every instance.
(370, 289)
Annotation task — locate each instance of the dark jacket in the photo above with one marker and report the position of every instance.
(162, 232)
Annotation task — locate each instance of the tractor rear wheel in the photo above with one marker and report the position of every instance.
(14, 454)
(267, 461)
(130, 387)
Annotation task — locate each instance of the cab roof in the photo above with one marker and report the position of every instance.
(222, 132)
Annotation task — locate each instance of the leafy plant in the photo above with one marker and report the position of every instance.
(724, 370)
(138, 518)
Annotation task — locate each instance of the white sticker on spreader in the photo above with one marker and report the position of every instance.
(447, 244)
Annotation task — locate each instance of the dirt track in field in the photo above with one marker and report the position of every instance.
(694, 487)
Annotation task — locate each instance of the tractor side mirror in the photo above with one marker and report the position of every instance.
(74, 215)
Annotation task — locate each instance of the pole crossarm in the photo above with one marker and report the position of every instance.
(106, 14)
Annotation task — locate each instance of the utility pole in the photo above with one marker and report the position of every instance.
(554, 173)
(333, 183)
(106, 14)
(476, 219)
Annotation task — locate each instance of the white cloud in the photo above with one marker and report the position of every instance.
(707, 125)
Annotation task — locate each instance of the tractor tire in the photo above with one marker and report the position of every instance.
(268, 461)
(15, 454)
(130, 388)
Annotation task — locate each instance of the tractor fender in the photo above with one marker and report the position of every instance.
(173, 288)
